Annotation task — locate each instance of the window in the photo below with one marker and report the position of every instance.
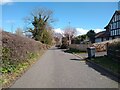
(114, 25)
(115, 32)
(119, 24)
(119, 31)
(110, 33)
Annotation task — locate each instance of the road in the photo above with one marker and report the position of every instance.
(57, 69)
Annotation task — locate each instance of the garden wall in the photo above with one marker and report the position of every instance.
(100, 47)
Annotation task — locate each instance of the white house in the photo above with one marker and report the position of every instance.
(112, 29)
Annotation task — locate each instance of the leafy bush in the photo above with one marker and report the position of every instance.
(16, 50)
(113, 50)
(47, 37)
(114, 46)
(18, 53)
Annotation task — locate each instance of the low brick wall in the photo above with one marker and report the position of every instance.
(102, 46)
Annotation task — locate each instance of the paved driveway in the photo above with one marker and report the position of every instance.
(57, 69)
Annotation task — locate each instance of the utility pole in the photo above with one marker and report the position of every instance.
(12, 27)
(69, 34)
(119, 5)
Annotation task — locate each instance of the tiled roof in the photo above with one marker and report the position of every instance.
(118, 12)
(101, 34)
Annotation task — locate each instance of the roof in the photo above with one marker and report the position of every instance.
(100, 34)
(116, 12)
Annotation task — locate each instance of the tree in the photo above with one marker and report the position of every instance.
(79, 38)
(19, 32)
(41, 20)
(58, 38)
(64, 43)
(69, 33)
(83, 37)
(47, 37)
(91, 36)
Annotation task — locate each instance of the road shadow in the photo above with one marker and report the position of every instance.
(74, 59)
(74, 51)
(103, 72)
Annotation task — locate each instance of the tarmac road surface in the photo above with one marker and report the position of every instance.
(57, 69)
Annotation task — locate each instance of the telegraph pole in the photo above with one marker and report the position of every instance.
(12, 27)
(119, 5)
(69, 33)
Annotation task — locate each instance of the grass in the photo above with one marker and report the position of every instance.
(107, 63)
(74, 51)
(8, 78)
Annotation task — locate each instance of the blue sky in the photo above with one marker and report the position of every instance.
(82, 15)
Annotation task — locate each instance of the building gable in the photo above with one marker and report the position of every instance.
(113, 27)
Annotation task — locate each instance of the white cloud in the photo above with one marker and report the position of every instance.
(98, 30)
(58, 30)
(80, 31)
(2, 2)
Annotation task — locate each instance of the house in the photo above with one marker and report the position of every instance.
(112, 29)
(100, 37)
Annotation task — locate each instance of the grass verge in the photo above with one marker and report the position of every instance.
(7, 79)
(107, 63)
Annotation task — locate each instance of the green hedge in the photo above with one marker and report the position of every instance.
(113, 50)
(18, 54)
(17, 49)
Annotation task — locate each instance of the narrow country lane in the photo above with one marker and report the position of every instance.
(57, 69)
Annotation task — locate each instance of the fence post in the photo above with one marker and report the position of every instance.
(107, 45)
